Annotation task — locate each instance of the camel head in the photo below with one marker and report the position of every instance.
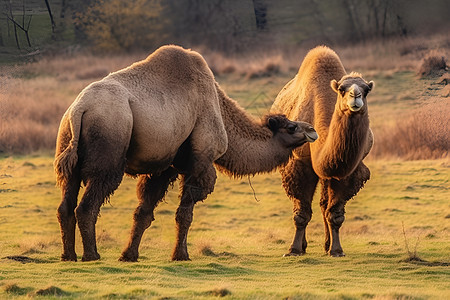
(291, 133)
(352, 91)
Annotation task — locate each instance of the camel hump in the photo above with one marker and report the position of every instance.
(177, 63)
(321, 63)
(322, 51)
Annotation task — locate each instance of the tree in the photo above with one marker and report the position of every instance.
(223, 25)
(374, 18)
(25, 26)
(114, 25)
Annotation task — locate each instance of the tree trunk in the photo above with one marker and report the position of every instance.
(11, 18)
(63, 9)
(51, 18)
(1, 38)
(383, 31)
(260, 9)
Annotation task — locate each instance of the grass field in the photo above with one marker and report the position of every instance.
(236, 241)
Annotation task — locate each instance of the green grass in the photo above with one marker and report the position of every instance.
(236, 242)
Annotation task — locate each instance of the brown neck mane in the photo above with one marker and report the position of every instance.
(252, 147)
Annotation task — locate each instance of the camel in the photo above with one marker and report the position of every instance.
(336, 158)
(158, 119)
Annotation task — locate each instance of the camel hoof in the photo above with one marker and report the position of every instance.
(294, 252)
(128, 257)
(177, 258)
(90, 257)
(337, 253)
(180, 257)
(68, 257)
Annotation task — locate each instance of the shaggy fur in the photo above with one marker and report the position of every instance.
(159, 119)
(336, 157)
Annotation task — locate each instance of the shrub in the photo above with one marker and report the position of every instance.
(432, 65)
(114, 25)
(422, 135)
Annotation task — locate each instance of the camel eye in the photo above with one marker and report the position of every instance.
(291, 128)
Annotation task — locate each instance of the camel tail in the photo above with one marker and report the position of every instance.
(67, 160)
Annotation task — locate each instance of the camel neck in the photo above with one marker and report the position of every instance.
(343, 147)
(252, 147)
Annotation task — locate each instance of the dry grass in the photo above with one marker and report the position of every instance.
(34, 96)
(423, 135)
(397, 54)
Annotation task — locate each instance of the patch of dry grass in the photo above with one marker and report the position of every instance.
(433, 64)
(34, 96)
(397, 54)
(424, 134)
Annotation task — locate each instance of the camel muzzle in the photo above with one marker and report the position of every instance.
(311, 136)
(355, 102)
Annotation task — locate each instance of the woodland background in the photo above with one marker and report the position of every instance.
(229, 26)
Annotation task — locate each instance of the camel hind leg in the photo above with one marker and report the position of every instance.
(102, 157)
(323, 207)
(102, 167)
(299, 181)
(98, 190)
(66, 217)
(150, 191)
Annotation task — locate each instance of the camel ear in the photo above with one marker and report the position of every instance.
(273, 124)
(371, 84)
(335, 85)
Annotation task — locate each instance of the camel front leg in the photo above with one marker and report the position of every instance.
(150, 191)
(323, 207)
(338, 192)
(195, 187)
(299, 182)
(183, 220)
(301, 220)
(335, 216)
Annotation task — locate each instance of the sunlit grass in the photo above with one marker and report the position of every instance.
(236, 242)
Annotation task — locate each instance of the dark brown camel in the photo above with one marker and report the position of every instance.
(160, 118)
(336, 158)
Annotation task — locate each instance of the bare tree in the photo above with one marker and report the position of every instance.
(23, 27)
(10, 17)
(51, 17)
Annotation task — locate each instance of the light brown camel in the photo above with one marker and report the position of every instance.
(159, 118)
(336, 157)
